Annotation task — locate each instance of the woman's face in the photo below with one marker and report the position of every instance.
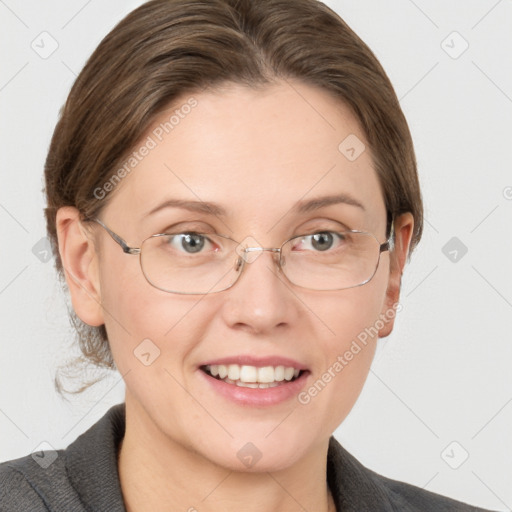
(257, 155)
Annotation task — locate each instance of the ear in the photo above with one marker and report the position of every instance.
(80, 263)
(403, 227)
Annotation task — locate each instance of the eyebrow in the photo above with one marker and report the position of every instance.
(321, 202)
(217, 210)
(193, 206)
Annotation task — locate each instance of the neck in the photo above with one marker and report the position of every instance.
(158, 473)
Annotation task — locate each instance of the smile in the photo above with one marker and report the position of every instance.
(252, 376)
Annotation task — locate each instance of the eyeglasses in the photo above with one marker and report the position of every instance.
(193, 263)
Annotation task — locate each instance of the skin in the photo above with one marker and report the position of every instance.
(256, 153)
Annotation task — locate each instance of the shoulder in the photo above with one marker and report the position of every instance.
(409, 497)
(357, 488)
(22, 483)
(81, 477)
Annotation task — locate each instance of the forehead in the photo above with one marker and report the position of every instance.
(253, 151)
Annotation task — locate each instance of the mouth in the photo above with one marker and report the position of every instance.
(254, 377)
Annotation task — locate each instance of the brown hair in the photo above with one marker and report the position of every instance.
(167, 48)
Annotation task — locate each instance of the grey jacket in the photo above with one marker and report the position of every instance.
(84, 477)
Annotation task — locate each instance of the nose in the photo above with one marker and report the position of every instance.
(261, 300)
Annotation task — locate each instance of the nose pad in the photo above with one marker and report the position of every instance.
(238, 264)
(249, 256)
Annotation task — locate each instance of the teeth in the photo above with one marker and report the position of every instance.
(249, 374)
(252, 376)
(223, 371)
(288, 373)
(246, 384)
(266, 374)
(233, 372)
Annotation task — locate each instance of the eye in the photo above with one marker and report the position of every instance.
(191, 243)
(320, 241)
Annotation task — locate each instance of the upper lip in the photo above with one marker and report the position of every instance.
(256, 361)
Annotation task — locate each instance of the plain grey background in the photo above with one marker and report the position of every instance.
(436, 410)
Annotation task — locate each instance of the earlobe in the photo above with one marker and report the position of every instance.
(404, 227)
(79, 260)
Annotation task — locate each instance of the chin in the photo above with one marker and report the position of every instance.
(257, 453)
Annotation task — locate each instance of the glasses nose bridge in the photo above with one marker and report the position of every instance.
(250, 259)
(250, 255)
(254, 249)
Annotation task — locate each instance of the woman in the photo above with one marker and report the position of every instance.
(232, 198)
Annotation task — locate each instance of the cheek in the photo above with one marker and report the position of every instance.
(347, 313)
(347, 347)
(141, 319)
(152, 334)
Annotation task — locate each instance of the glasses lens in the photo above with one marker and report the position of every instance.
(196, 263)
(331, 260)
(189, 263)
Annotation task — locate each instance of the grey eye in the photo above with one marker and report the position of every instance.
(322, 241)
(189, 242)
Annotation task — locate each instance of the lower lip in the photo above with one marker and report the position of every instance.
(257, 396)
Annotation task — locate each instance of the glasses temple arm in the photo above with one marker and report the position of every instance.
(389, 245)
(126, 248)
